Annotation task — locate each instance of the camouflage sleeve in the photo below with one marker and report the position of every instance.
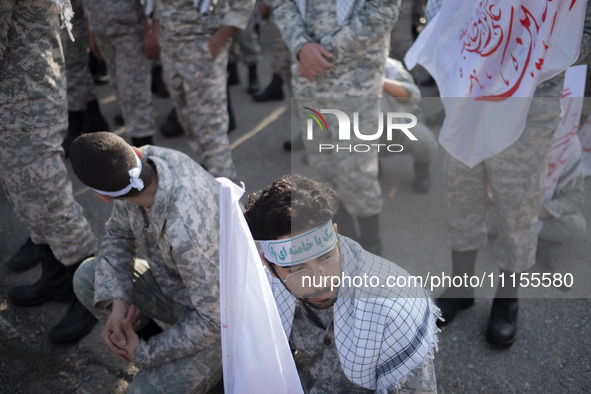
(239, 13)
(568, 200)
(114, 272)
(194, 235)
(376, 18)
(6, 7)
(291, 25)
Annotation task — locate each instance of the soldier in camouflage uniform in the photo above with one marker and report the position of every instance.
(516, 180)
(33, 122)
(126, 42)
(195, 44)
(84, 114)
(342, 56)
(170, 210)
(345, 340)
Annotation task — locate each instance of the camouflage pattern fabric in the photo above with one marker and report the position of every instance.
(33, 123)
(197, 81)
(196, 372)
(114, 17)
(180, 238)
(130, 73)
(516, 178)
(245, 43)
(359, 49)
(81, 88)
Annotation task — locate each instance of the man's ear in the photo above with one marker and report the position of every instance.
(104, 198)
(268, 265)
(334, 225)
(137, 152)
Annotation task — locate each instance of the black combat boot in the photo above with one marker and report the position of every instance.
(172, 126)
(118, 119)
(253, 79)
(502, 326)
(455, 299)
(94, 119)
(422, 181)
(158, 86)
(55, 283)
(369, 227)
(233, 78)
(26, 258)
(273, 92)
(345, 223)
(141, 141)
(76, 323)
(75, 128)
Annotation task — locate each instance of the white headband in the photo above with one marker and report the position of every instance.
(301, 248)
(134, 180)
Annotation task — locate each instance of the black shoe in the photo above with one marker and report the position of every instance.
(172, 126)
(450, 307)
(94, 119)
(370, 239)
(55, 283)
(273, 92)
(26, 258)
(118, 119)
(158, 86)
(141, 141)
(98, 69)
(455, 299)
(233, 78)
(429, 81)
(75, 128)
(422, 181)
(293, 146)
(502, 326)
(76, 323)
(253, 80)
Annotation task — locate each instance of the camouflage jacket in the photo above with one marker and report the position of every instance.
(179, 238)
(114, 17)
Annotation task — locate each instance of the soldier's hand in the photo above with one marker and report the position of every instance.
(113, 334)
(219, 39)
(151, 39)
(133, 340)
(313, 60)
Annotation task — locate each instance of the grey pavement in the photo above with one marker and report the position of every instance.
(551, 354)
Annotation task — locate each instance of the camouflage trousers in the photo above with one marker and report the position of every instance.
(196, 373)
(130, 73)
(197, 85)
(516, 179)
(33, 123)
(422, 150)
(81, 88)
(281, 55)
(245, 44)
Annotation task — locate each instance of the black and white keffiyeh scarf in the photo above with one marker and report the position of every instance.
(382, 337)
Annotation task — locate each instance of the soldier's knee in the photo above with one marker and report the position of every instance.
(84, 278)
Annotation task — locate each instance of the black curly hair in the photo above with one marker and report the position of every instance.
(291, 205)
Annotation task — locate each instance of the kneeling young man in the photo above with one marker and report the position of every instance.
(347, 339)
(166, 205)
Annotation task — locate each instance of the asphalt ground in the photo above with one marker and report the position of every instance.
(551, 353)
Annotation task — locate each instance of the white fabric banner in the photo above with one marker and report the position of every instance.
(256, 355)
(572, 102)
(482, 53)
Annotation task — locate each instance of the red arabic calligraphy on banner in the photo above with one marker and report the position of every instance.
(509, 42)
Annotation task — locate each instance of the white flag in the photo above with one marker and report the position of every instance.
(487, 58)
(256, 354)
